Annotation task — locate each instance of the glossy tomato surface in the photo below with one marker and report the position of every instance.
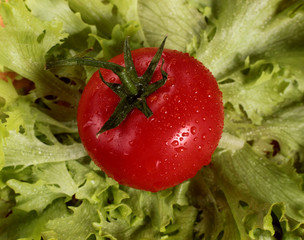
(174, 143)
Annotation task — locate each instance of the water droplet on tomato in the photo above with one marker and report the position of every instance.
(166, 97)
(158, 162)
(88, 124)
(185, 134)
(152, 119)
(175, 143)
(193, 130)
(163, 110)
(177, 99)
(199, 147)
(180, 149)
(170, 81)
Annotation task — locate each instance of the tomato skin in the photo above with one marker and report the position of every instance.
(174, 143)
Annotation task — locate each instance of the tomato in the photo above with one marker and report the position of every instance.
(170, 146)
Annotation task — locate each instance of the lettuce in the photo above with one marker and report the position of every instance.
(49, 187)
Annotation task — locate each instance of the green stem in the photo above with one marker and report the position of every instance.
(128, 83)
(133, 90)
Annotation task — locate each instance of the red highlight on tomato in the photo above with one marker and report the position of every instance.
(163, 150)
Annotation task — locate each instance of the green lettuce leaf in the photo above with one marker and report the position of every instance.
(58, 10)
(78, 224)
(34, 140)
(29, 225)
(24, 43)
(256, 28)
(245, 90)
(175, 19)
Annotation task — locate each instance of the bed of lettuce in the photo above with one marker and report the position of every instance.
(50, 189)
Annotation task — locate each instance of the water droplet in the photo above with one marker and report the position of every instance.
(170, 81)
(209, 95)
(158, 162)
(163, 110)
(199, 147)
(88, 124)
(177, 99)
(193, 130)
(195, 139)
(175, 143)
(151, 119)
(204, 137)
(181, 139)
(204, 119)
(185, 134)
(180, 149)
(166, 97)
(210, 129)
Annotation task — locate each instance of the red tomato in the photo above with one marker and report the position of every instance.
(174, 143)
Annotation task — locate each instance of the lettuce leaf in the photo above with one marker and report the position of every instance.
(175, 19)
(256, 28)
(50, 189)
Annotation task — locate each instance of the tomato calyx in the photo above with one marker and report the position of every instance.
(133, 89)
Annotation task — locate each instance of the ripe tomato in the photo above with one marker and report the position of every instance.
(174, 143)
